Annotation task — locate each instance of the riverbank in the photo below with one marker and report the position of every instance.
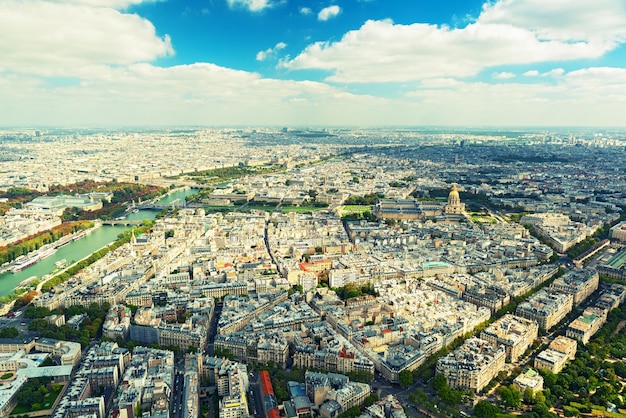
(46, 250)
(52, 276)
(49, 282)
(77, 249)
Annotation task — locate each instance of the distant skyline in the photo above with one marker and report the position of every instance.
(298, 63)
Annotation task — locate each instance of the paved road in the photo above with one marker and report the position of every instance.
(178, 389)
(385, 388)
(210, 349)
(255, 401)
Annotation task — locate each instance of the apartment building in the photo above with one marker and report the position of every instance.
(586, 325)
(546, 307)
(579, 283)
(473, 365)
(515, 333)
(558, 353)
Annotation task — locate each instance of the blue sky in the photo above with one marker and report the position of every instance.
(311, 63)
(232, 36)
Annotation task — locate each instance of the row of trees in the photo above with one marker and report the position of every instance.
(9, 332)
(353, 290)
(358, 216)
(123, 238)
(122, 193)
(595, 377)
(589, 382)
(367, 200)
(228, 173)
(582, 246)
(74, 219)
(15, 196)
(34, 242)
(89, 328)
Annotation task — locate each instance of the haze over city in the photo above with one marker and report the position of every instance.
(294, 63)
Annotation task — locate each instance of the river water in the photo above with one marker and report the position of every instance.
(80, 248)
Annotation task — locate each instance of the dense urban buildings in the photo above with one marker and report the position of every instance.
(355, 257)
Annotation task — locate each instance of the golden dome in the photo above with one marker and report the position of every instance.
(454, 192)
(454, 205)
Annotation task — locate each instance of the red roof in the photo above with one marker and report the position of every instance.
(266, 383)
(344, 354)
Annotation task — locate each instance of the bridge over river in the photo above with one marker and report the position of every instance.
(150, 205)
(125, 222)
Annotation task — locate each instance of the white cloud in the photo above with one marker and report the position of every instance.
(67, 39)
(598, 21)
(591, 96)
(508, 32)
(106, 54)
(270, 52)
(205, 94)
(328, 12)
(306, 11)
(557, 72)
(503, 75)
(252, 5)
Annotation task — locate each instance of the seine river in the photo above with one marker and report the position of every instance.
(80, 248)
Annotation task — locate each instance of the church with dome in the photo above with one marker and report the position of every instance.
(454, 206)
(454, 209)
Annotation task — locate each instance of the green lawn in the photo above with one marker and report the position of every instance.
(50, 399)
(482, 219)
(348, 209)
(300, 209)
(600, 411)
(259, 207)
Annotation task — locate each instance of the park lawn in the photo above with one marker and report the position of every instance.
(349, 209)
(300, 209)
(49, 400)
(481, 219)
(600, 411)
(258, 207)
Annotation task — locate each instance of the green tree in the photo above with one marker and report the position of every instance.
(371, 400)
(405, 378)
(515, 400)
(529, 396)
(541, 410)
(485, 409)
(9, 332)
(549, 378)
(439, 382)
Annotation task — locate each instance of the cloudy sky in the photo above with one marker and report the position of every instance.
(310, 62)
